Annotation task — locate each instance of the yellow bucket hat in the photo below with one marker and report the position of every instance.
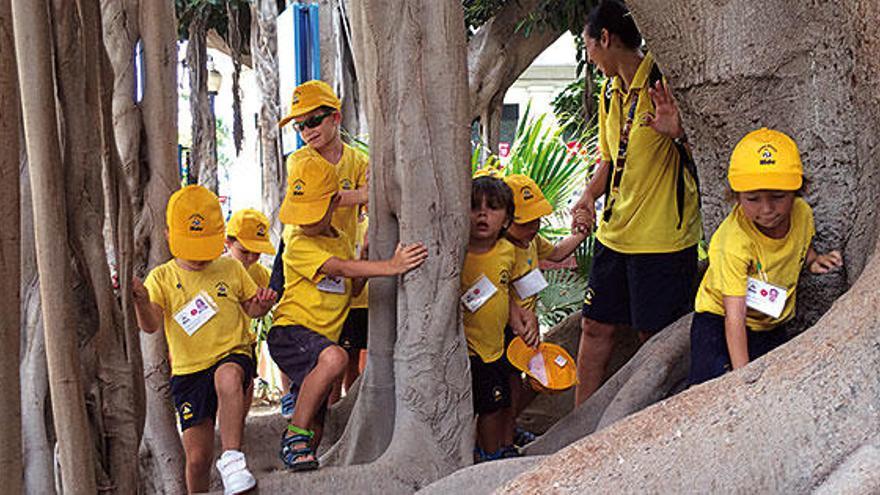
(765, 159)
(251, 228)
(549, 368)
(529, 202)
(309, 96)
(196, 229)
(310, 187)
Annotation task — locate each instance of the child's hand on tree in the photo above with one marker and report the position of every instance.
(138, 292)
(407, 257)
(825, 263)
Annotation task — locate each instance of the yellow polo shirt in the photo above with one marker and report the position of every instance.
(363, 298)
(484, 329)
(644, 215)
(738, 250)
(228, 284)
(304, 302)
(260, 274)
(352, 171)
(539, 249)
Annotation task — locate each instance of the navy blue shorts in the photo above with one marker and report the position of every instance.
(354, 330)
(709, 356)
(194, 395)
(490, 384)
(295, 349)
(645, 291)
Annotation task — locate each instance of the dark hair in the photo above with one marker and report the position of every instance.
(327, 108)
(497, 193)
(614, 16)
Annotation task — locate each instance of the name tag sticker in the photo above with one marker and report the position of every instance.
(530, 284)
(196, 313)
(478, 294)
(766, 298)
(560, 361)
(331, 284)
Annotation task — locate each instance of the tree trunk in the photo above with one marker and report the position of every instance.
(337, 63)
(410, 185)
(32, 43)
(161, 443)
(203, 160)
(265, 57)
(10, 255)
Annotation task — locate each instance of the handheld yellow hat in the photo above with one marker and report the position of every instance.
(310, 187)
(309, 96)
(765, 159)
(195, 224)
(549, 368)
(251, 228)
(528, 201)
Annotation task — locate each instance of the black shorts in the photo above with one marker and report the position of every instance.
(709, 355)
(194, 395)
(295, 349)
(354, 331)
(508, 336)
(644, 291)
(490, 384)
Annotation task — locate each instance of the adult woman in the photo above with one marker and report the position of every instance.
(645, 260)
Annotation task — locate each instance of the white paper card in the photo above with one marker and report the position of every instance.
(331, 284)
(538, 368)
(530, 284)
(196, 313)
(478, 294)
(766, 298)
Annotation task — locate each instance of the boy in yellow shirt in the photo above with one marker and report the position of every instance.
(320, 278)
(755, 259)
(247, 237)
(490, 267)
(204, 302)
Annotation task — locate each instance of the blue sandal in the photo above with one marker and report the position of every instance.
(291, 456)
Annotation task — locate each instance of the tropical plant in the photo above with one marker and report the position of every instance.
(563, 296)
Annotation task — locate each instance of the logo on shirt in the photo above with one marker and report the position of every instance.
(186, 411)
(222, 289)
(345, 184)
(195, 223)
(504, 277)
(768, 154)
(527, 193)
(298, 186)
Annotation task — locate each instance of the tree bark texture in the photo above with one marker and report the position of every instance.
(417, 193)
(33, 43)
(203, 159)
(161, 445)
(265, 58)
(731, 76)
(10, 254)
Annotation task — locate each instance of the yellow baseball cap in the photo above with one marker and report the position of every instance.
(251, 228)
(309, 96)
(196, 229)
(765, 159)
(310, 187)
(560, 370)
(529, 202)
(487, 172)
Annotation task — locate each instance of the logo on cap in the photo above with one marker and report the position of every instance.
(296, 97)
(527, 193)
(195, 223)
(346, 184)
(768, 155)
(222, 289)
(261, 230)
(298, 187)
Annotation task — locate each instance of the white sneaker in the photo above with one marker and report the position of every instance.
(233, 469)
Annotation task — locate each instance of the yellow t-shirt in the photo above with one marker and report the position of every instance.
(363, 298)
(738, 251)
(228, 284)
(538, 250)
(260, 274)
(352, 171)
(484, 329)
(644, 216)
(303, 302)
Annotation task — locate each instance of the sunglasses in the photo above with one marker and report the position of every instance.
(313, 121)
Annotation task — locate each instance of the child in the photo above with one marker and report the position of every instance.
(247, 236)
(204, 302)
(758, 250)
(320, 279)
(529, 206)
(490, 266)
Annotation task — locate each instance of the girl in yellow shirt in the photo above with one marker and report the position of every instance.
(755, 259)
